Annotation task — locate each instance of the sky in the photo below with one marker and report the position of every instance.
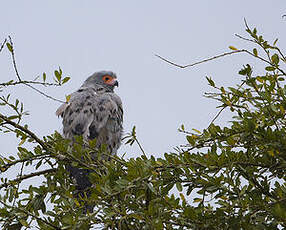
(83, 37)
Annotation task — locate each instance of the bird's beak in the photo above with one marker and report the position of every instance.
(114, 82)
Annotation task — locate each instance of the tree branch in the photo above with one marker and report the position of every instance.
(2, 45)
(37, 157)
(31, 134)
(24, 177)
(31, 214)
(200, 62)
(28, 82)
(19, 78)
(44, 94)
(14, 59)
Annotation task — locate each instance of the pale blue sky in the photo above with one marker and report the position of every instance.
(86, 36)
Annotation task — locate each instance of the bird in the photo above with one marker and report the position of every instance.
(94, 111)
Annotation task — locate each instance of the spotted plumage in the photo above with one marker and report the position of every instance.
(93, 111)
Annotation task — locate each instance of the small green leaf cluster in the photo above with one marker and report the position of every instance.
(58, 77)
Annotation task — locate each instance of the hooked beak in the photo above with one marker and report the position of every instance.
(114, 82)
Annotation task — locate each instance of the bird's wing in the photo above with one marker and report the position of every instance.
(88, 113)
(108, 113)
(107, 123)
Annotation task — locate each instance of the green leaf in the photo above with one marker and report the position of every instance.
(211, 82)
(44, 76)
(270, 68)
(179, 186)
(255, 52)
(38, 164)
(22, 141)
(17, 226)
(243, 190)
(212, 189)
(167, 188)
(275, 59)
(68, 97)
(190, 139)
(24, 222)
(230, 141)
(17, 102)
(13, 117)
(196, 200)
(232, 48)
(66, 79)
(58, 75)
(197, 131)
(246, 70)
(10, 47)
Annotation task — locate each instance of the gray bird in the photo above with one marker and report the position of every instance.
(93, 111)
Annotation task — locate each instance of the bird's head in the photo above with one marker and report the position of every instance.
(106, 79)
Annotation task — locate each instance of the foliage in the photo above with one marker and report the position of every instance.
(223, 178)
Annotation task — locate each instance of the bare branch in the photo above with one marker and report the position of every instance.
(243, 38)
(14, 59)
(44, 94)
(9, 83)
(140, 146)
(216, 116)
(219, 56)
(2, 45)
(18, 185)
(200, 62)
